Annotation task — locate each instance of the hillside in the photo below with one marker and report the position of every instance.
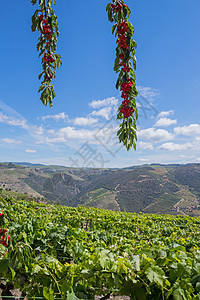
(173, 189)
(58, 252)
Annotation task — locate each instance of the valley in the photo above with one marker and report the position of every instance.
(158, 189)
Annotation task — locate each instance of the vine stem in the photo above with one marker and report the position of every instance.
(105, 297)
(45, 9)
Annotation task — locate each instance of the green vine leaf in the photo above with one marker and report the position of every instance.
(45, 21)
(125, 65)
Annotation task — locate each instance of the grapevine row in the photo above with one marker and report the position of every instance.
(58, 252)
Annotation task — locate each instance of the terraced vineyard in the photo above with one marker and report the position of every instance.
(58, 252)
(158, 189)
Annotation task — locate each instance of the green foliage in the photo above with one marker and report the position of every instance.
(44, 20)
(125, 65)
(55, 254)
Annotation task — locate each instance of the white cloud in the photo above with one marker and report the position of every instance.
(84, 121)
(56, 140)
(105, 113)
(8, 111)
(183, 156)
(30, 151)
(155, 135)
(11, 141)
(107, 107)
(39, 130)
(69, 133)
(12, 121)
(51, 131)
(10, 117)
(106, 102)
(72, 133)
(166, 113)
(165, 122)
(145, 145)
(175, 147)
(147, 92)
(192, 129)
(143, 160)
(56, 117)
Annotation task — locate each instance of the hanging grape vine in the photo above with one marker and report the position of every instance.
(125, 65)
(45, 21)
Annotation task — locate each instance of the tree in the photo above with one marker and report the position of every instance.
(45, 21)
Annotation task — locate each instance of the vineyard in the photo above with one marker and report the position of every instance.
(56, 252)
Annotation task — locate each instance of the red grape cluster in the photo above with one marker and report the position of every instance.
(46, 30)
(125, 66)
(44, 20)
(123, 44)
(4, 237)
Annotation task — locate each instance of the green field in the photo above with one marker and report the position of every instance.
(101, 198)
(59, 252)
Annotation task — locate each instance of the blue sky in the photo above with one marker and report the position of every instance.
(80, 129)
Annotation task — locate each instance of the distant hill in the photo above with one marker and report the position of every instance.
(27, 164)
(155, 188)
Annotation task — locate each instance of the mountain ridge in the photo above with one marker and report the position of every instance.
(154, 188)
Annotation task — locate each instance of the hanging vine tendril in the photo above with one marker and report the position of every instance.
(45, 21)
(125, 65)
